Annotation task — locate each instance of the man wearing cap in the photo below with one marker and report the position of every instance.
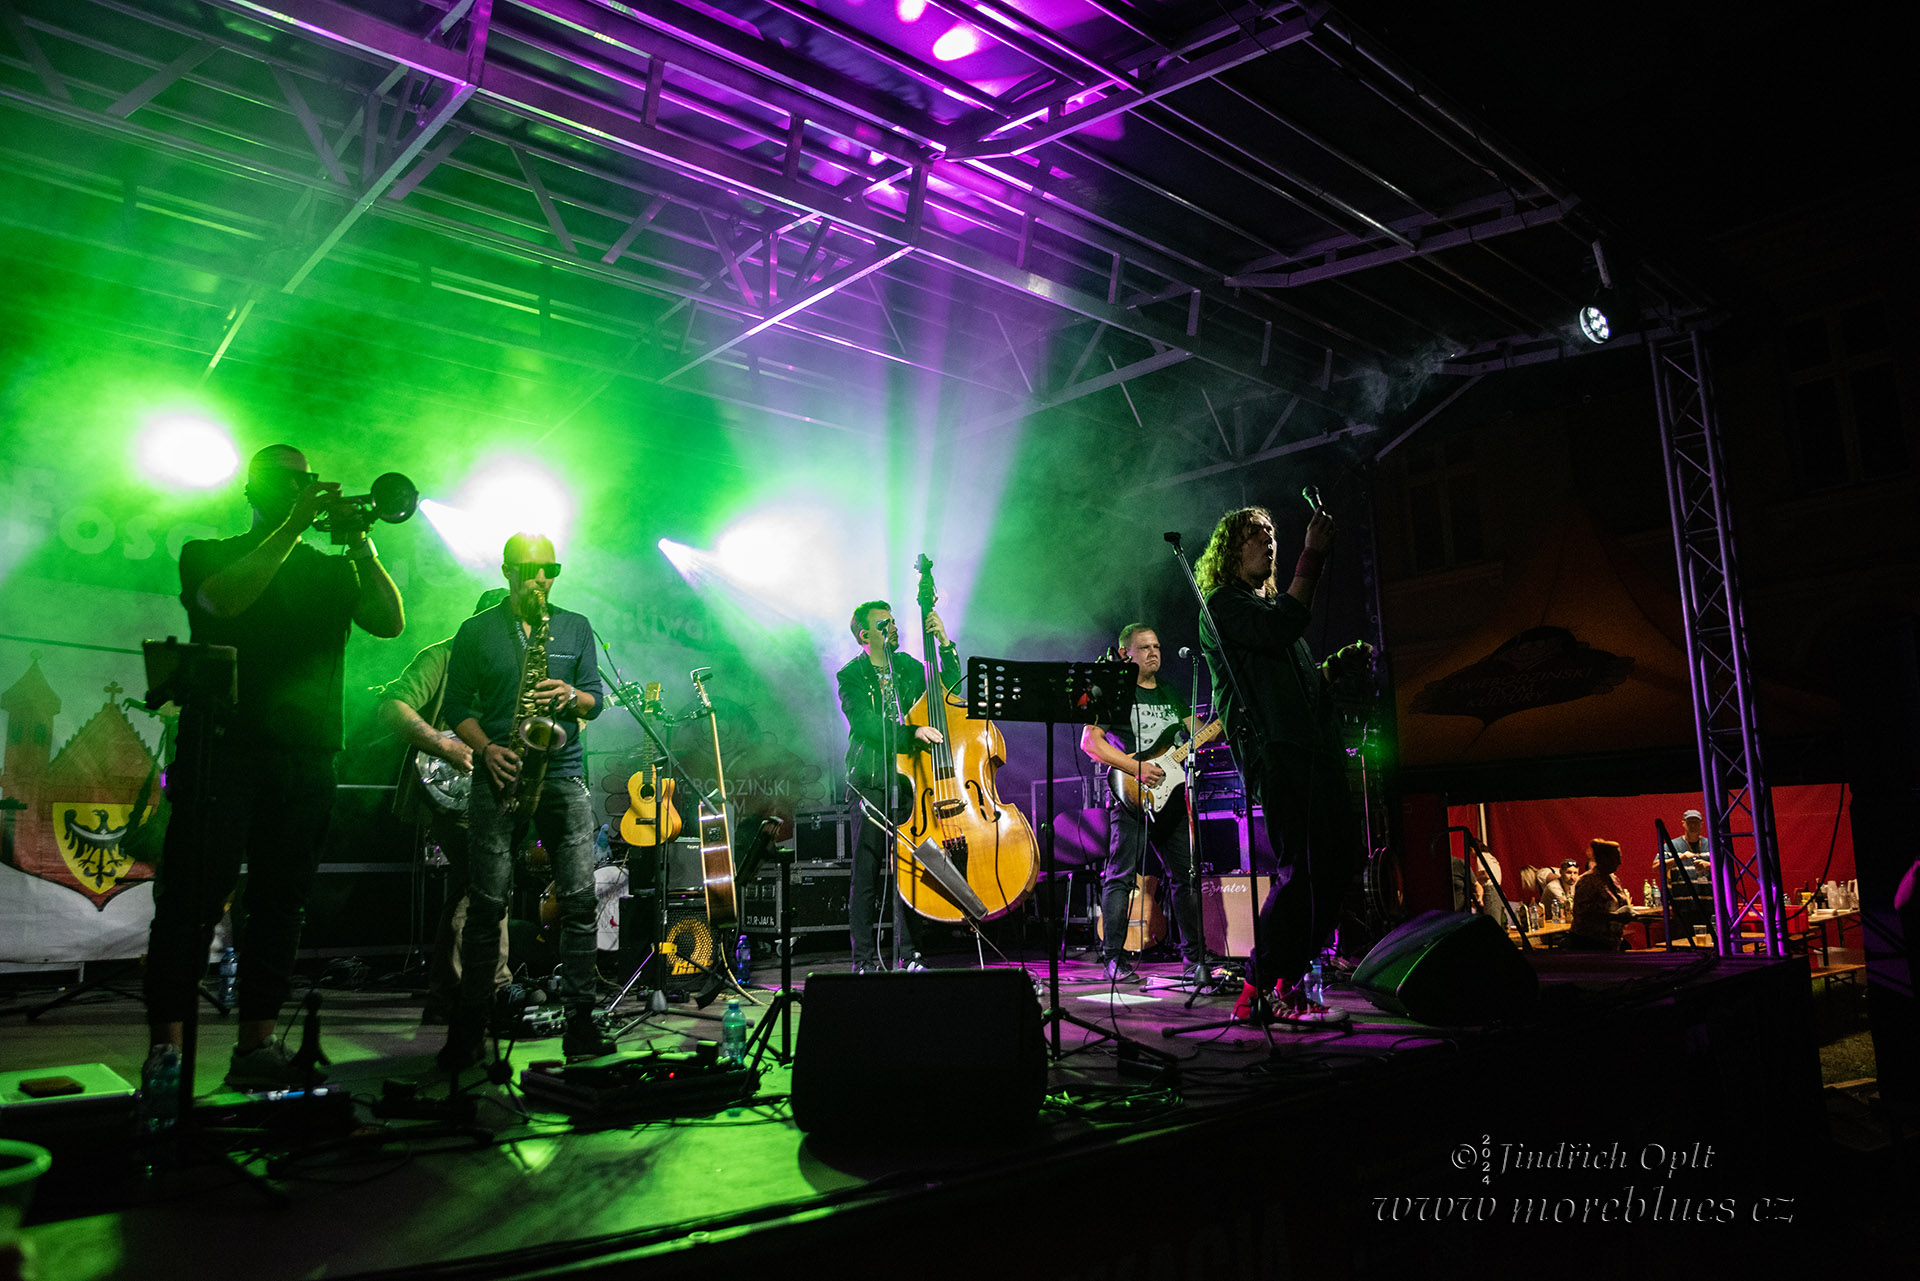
(1688, 877)
(1557, 888)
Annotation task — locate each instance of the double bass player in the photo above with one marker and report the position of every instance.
(877, 690)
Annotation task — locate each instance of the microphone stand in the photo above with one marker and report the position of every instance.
(628, 696)
(1203, 985)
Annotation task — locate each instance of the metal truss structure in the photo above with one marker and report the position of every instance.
(1247, 223)
(1218, 233)
(1738, 803)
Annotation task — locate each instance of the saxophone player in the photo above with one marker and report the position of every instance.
(521, 680)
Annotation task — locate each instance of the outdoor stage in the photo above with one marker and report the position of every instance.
(1655, 1113)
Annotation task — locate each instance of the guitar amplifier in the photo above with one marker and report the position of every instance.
(819, 899)
(1228, 905)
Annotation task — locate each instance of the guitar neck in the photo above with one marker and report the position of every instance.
(1206, 735)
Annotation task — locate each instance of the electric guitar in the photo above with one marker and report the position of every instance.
(1170, 757)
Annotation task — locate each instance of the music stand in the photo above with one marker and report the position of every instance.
(1051, 694)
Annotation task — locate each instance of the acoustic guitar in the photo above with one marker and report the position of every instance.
(716, 828)
(651, 817)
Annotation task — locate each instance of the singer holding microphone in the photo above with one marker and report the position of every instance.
(502, 695)
(1286, 738)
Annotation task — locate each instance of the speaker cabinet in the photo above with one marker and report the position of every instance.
(956, 1053)
(1448, 969)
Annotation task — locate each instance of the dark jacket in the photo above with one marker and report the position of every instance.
(868, 731)
(483, 676)
(1287, 700)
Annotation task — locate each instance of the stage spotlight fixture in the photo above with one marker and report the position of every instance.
(186, 452)
(1594, 326)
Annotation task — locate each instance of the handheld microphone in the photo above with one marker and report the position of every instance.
(1186, 651)
(1172, 536)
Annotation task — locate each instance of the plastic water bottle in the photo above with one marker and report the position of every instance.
(160, 1090)
(733, 1033)
(1315, 987)
(229, 974)
(743, 958)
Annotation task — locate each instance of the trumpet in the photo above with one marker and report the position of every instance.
(391, 498)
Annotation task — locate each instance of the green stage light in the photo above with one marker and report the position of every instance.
(760, 553)
(186, 452)
(679, 555)
(501, 498)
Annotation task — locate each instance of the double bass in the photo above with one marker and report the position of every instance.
(954, 802)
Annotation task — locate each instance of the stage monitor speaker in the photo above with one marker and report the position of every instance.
(1448, 969)
(956, 1053)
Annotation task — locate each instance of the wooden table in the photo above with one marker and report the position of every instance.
(1818, 920)
(1541, 935)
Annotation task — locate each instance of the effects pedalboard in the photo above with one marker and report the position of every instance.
(642, 1085)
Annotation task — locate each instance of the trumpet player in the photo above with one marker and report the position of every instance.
(267, 790)
(521, 680)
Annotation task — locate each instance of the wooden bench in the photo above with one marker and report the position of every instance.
(1850, 973)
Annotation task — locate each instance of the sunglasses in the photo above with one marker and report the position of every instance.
(288, 476)
(551, 568)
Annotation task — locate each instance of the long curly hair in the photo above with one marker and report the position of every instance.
(1220, 563)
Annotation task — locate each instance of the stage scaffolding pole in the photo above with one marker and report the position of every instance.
(1746, 863)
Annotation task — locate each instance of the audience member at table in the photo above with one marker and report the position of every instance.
(1687, 875)
(1479, 891)
(1556, 887)
(1601, 904)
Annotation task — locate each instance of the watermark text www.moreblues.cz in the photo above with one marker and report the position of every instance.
(1633, 1204)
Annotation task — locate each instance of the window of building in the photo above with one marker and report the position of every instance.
(1443, 506)
(1844, 397)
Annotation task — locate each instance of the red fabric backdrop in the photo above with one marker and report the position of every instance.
(1542, 833)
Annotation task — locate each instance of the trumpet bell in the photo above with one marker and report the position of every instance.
(395, 498)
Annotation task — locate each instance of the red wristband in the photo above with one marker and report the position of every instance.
(1309, 564)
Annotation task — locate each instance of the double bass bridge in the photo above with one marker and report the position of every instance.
(949, 809)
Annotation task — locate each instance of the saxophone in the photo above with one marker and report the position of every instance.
(536, 736)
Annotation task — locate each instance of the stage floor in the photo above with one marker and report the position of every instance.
(1383, 1118)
